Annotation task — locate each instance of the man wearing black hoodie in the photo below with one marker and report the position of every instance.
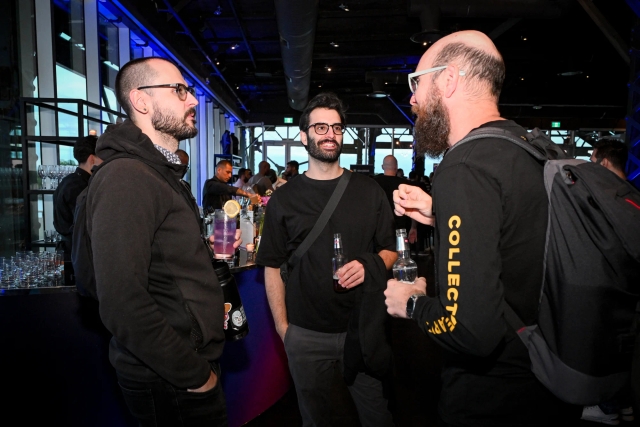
(157, 289)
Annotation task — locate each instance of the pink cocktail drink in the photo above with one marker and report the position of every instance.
(224, 235)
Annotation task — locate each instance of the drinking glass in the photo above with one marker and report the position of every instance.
(48, 174)
(41, 175)
(224, 234)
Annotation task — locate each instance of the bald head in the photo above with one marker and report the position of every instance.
(390, 165)
(473, 53)
(263, 167)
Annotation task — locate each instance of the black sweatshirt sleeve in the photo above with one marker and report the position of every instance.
(466, 316)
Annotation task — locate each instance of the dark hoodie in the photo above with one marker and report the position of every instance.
(158, 292)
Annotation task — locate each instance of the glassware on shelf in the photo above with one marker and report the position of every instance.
(41, 174)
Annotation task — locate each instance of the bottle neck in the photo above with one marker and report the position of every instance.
(402, 247)
(337, 246)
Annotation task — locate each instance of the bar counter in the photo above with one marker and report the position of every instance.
(56, 370)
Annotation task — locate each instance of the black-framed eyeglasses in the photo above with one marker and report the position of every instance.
(180, 89)
(323, 128)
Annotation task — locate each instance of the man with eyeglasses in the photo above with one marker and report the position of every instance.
(489, 211)
(321, 328)
(157, 289)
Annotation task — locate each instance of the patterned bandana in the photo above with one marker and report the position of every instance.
(171, 157)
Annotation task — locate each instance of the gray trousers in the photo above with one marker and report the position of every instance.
(313, 357)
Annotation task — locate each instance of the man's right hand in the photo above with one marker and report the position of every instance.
(413, 202)
(282, 330)
(211, 383)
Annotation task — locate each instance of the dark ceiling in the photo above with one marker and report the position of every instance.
(565, 59)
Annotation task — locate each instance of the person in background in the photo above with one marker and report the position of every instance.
(613, 155)
(312, 318)
(184, 158)
(243, 178)
(157, 289)
(389, 181)
(260, 182)
(291, 170)
(65, 196)
(276, 181)
(490, 215)
(216, 191)
(400, 173)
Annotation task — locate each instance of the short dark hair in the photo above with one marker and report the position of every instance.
(132, 75)
(293, 163)
(478, 65)
(328, 100)
(224, 162)
(614, 151)
(271, 174)
(241, 171)
(84, 147)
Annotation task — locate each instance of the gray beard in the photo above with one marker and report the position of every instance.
(432, 126)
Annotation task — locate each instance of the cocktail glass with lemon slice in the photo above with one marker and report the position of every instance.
(224, 229)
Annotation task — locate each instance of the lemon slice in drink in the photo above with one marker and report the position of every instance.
(231, 208)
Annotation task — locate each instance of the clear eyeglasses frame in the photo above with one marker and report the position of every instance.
(323, 128)
(180, 89)
(414, 80)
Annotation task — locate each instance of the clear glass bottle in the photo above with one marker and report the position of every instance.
(404, 269)
(337, 261)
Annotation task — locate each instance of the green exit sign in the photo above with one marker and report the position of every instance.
(555, 124)
(288, 119)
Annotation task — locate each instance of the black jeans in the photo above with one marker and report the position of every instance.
(159, 404)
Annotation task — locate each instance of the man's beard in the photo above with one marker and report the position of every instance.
(317, 153)
(432, 126)
(168, 124)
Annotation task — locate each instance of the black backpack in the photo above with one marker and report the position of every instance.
(581, 345)
(81, 253)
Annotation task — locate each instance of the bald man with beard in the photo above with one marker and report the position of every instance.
(489, 211)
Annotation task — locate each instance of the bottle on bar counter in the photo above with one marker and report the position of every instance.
(337, 261)
(404, 269)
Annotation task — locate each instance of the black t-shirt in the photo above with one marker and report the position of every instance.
(362, 217)
(389, 184)
(491, 217)
(216, 193)
(64, 201)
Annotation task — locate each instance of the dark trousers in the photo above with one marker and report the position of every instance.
(159, 404)
(313, 356)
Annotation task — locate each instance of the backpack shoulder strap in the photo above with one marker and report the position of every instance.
(536, 143)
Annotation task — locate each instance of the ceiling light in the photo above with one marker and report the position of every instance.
(218, 11)
(524, 38)
(521, 78)
(570, 73)
(377, 94)
(344, 7)
(326, 67)
(537, 107)
(334, 44)
(65, 36)
(587, 76)
(235, 46)
(424, 43)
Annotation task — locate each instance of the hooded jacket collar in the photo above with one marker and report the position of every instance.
(127, 138)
